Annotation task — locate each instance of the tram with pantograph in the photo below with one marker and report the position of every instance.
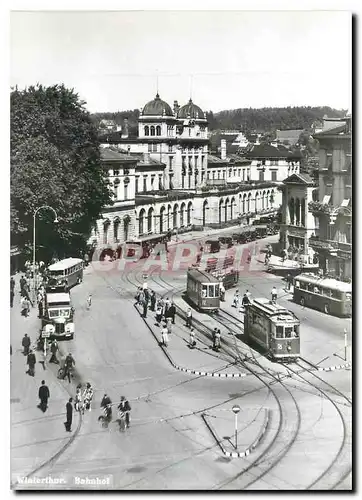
(273, 328)
(203, 290)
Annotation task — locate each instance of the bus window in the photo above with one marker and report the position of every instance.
(288, 332)
(348, 296)
(204, 291)
(316, 290)
(297, 284)
(279, 332)
(303, 286)
(211, 290)
(57, 273)
(335, 294)
(296, 331)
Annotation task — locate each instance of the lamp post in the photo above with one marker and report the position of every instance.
(236, 410)
(34, 237)
(345, 344)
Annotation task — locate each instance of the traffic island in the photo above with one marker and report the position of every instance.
(257, 423)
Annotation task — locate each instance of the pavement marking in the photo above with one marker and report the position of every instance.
(335, 367)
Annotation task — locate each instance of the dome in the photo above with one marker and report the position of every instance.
(157, 107)
(190, 110)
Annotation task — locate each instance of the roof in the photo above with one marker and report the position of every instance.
(157, 107)
(190, 110)
(201, 276)
(109, 154)
(145, 159)
(57, 298)
(266, 151)
(64, 264)
(289, 134)
(299, 178)
(325, 282)
(339, 129)
(216, 160)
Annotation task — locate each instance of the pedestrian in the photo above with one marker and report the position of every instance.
(54, 349)
(236, 299)
(88, 397)
(145, 307)
(217, 339)
(26, 344)
(169, 326)
(86, 260)
(158, 314)
(289, 281)
(31, 360)
(25, 306)
(68, 366)
(11, 298)
(167, 305)
(78, 399)
(248, 294)
(22, 283)
(12, 284)
(214, 332)
(274, 294)
(40, 309)
(189, 318)
(245, 300)
(89, 301)
(164, 333)
(69, 411)
(125, 407)
(145, 286)
(153, 301)
(172, 312)
(192, 341)
(222, 292)
(44, 395)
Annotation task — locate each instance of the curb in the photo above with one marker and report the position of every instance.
(188, 370)
(247, 451)
(336, 367)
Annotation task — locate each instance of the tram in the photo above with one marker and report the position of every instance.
(203, 290)
(273, 328)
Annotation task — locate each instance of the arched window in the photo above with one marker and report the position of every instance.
(169, 210)
(220, 210)
(152, 130)
(297, 211)
(248, 204)
(150, 220)
(158, 130)
(141, 221)
(302, 212)
(174, 217)
(244, 204)
(162, 216)
(256, 201)
(116, 223)
(182, 214)
(189, 209)
(232, 205)
(106, 225)
(227, 202)
(147, 130)
(291, 211)
(204, 209)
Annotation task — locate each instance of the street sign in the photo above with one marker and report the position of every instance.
(236, 409)
(45, 335)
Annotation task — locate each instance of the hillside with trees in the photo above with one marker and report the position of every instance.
(246, 119)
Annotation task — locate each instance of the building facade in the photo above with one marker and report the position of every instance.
(298, 224)
(165, 179)
(333, 210)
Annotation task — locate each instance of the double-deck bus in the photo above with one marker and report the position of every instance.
(65, 274)
(325, 294)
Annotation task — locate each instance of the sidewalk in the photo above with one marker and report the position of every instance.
(35, 436)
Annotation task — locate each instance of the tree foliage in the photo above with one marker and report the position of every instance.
(55, 161)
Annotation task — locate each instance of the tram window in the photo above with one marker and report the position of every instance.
(204, 291)
(334, 294)
(296, 331)
(303, 286)
(211, 290)
(348, 296)
(316, 290)
(288, 332)
(297, 284)
(279, 332)
(217, 290)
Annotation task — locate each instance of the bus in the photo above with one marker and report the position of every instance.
(58, 316)
(273, 328)
(65, 274)
(325, 294)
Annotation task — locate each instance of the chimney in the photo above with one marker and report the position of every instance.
(125, 128)
(223, 149)
(176, 107)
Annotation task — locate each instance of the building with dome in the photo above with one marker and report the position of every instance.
(165, 179)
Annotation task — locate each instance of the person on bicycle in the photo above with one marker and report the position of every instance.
(68, 366)
(106, 404)
(125, 407)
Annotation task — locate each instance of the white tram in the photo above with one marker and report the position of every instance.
(273, 328)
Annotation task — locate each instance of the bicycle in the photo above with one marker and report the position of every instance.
(121, 420)
(106, 418)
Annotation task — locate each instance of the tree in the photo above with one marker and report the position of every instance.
(55, 160)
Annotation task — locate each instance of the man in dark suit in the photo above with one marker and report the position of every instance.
(69, 409)
(44, 395)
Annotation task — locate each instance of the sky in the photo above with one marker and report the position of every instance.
(223, 59)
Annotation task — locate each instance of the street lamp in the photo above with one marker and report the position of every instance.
(34, 236)
(236, 410)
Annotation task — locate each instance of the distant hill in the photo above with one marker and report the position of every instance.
(246, 119)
